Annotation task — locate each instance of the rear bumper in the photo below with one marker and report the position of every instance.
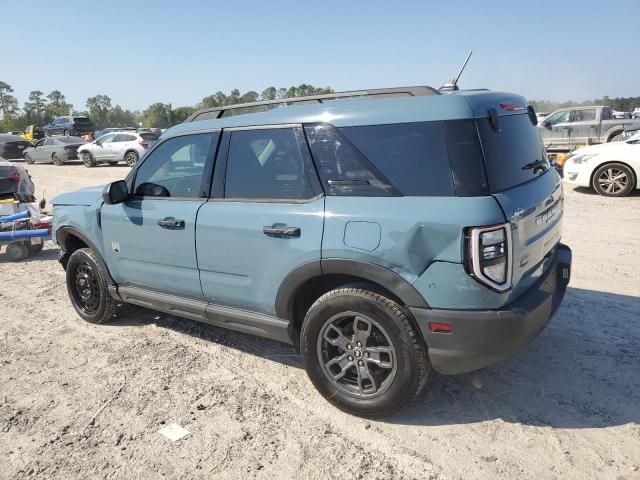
(480, 338)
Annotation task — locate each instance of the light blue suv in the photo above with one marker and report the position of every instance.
(382, 232)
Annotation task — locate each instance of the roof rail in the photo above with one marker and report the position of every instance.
(252, 107)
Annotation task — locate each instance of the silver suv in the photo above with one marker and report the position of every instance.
(115, 147)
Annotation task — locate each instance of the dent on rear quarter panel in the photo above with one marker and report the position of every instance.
(414, 231)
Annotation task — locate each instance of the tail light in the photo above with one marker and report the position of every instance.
(490, 255)
(143, 143)
(14, 176)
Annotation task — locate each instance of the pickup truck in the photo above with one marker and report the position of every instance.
(568, 128)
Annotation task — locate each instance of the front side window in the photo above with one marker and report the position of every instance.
(175, 169)
(106, 139)
(48, 141)
(267, 164)
(559, 117)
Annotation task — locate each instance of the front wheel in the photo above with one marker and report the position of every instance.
(131, 158)
(87, 159)
(28, 159)
(66, 133)
(362, 352)
(614, 180)
(87, 287)
(56, 160)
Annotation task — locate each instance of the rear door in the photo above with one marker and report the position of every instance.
(266, 217)
(528, 190)
(149, 240)
(584, 127)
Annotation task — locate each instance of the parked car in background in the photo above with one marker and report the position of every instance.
(56, 150)
(568, 128)
(115, 147)
(12, 147)
(611, 169)
(540, 116)
(15, 182)
(384, 238)
(70, 125)
(32, 133)
(98, 133)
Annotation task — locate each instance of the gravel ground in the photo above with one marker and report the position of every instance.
(85, 401)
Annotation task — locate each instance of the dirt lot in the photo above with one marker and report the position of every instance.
(85, 401)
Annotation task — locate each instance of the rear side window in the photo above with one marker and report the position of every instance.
(123, 137)
(465, 158)
(412, 156)
(514, 154)
(343, 169)
(267, 164)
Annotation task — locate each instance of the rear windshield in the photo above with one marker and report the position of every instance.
(514, 154)
(70, 140)
(149, 136)
(81, 120)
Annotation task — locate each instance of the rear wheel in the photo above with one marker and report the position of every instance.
(614, 180)
(131, 158)
(87, 159)
(87, 287)
(66, 133)
(362, 352)
(17, 251)
(28, 159)
(56, 160)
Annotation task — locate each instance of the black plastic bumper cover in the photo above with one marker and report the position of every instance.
(480, 338)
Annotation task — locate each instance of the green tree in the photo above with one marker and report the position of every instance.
(180, 114)
(156, 115)
(35, 108)
(99, 108)
(57, 104)
(269, 93)
(5, 90)
(119, 117)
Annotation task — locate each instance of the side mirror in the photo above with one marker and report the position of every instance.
(115, 192)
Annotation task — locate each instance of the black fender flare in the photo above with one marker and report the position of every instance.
(63, 233)
(380, 275)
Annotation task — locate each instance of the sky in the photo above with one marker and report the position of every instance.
(178, 52)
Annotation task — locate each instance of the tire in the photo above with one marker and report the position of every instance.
(87, 159)
(87, 287)
(614, 180)
(615, 138)
(131, 157)
(56, 160)
(17, 251)
(65, 133)
(373, 378)
(35, 247)
(28, 159)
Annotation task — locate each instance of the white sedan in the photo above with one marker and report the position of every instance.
(610, 168)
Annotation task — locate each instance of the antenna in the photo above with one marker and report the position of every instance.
(453, 84)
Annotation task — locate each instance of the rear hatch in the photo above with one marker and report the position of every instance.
(71, 145)
(529, 191)
(83, 125)
(14, 146)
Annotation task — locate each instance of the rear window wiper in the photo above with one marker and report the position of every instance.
(537, 165)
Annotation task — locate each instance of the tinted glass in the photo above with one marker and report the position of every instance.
(584, 115)
(465, 158)
(510, 153)
(48, 141)
(176, 167)
(267, 164)
(70, 140)
(123, 137)
(343, 168)
(412, 156)
(149, 136)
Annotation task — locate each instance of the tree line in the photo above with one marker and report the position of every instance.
(621, 104)
(41, 109)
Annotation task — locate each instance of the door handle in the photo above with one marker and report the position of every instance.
(566, 128)
(281, 232)
(594, 126)
(172, 223)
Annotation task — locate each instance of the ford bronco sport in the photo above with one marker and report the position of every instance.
(382, 232)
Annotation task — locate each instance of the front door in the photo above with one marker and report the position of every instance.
(149, 240)
(102, 149)
(38, 154)
(555, 129)
(584, 127)
(266, 222)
